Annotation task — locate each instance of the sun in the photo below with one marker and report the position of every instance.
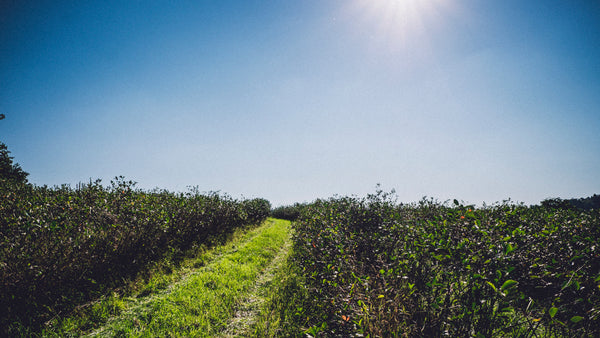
(402, 23)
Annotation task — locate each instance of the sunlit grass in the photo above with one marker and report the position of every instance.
(283, 314)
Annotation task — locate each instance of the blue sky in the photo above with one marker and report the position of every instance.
(295, 100)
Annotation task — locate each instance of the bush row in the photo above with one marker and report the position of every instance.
(288, 212)
(373, 267)
(60, 246)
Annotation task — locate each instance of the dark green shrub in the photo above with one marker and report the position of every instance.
(60, 247)
(376, 268)
(288, 212)
(257, 210)
(10, 171)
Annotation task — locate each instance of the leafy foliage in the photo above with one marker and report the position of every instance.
(10, 171)
(60, 247)
(257, 210)
(373, 267)
(288, 212)
(589, 203)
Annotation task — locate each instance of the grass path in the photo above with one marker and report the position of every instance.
(221, 298)
(246, 314)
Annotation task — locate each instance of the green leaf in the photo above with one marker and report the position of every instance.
(576, 319)
(552, 312)
(508, 284)
(498, 275)
(575, 258)
(493, 286)
(566, 285)
(509, 249)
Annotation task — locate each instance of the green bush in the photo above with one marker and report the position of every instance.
(288, 212)
(376, 268)
(60, 247)
(256, 210)
(10, 171)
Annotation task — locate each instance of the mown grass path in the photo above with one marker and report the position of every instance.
(220, 298)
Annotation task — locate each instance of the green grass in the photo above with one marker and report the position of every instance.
(201, 299)
(283, 312)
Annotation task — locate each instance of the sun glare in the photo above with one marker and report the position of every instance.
(402, 23)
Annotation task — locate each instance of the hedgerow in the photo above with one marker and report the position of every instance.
(378, 268)
(288, 212)
(60, 247)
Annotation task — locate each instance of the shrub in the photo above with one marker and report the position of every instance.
(60, 247)
(428, 269)
(288, 212)
(10, 171)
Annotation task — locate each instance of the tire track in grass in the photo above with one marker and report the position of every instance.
(247, 311)
(212, 298)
